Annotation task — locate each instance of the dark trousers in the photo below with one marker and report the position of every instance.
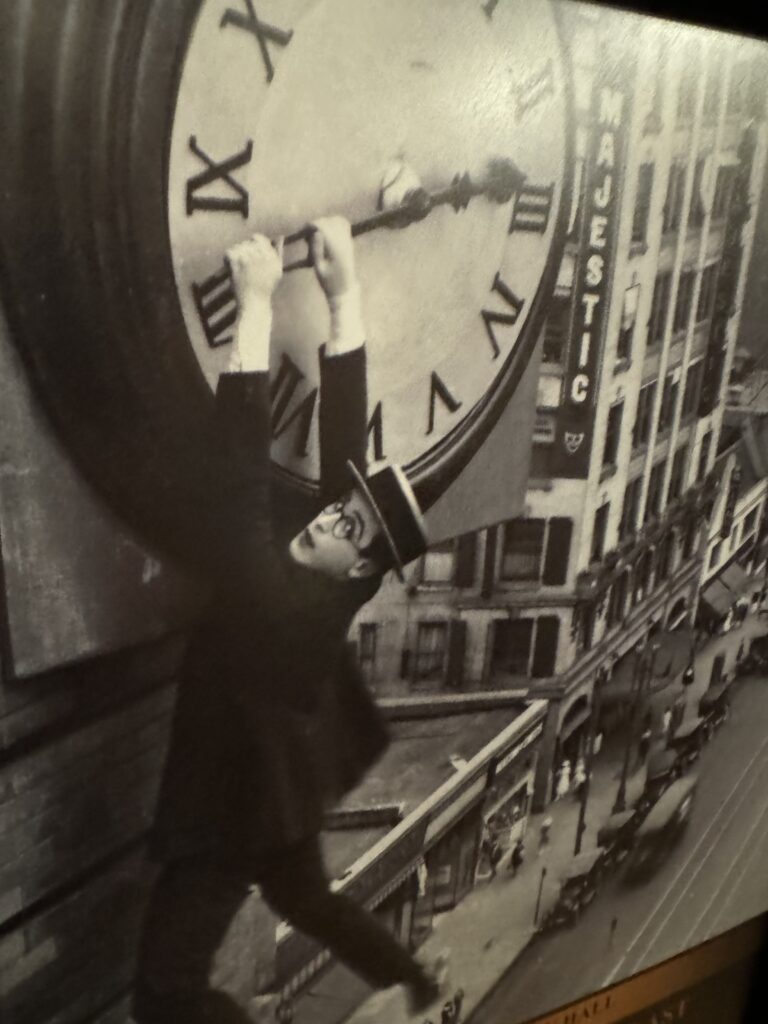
(193, 904)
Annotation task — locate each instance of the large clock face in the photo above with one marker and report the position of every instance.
(288, 110)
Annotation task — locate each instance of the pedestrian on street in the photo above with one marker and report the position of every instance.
(517, 857)
(458, 1002)
(579, 778)
(273, 723)
(448, 1015)
(564, 780)
(612, 932)
(644, 745)
(544, 831)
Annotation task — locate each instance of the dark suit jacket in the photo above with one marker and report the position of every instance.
(273, 721)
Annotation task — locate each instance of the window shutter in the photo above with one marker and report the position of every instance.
(466, 553)
(558, 549)
(545, 650)
(457, 646)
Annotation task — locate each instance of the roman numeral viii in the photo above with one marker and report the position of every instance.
(264, 34)
(493, 319)
(218, 172)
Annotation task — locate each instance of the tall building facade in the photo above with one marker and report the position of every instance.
(636, 353)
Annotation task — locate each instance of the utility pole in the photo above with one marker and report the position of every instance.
(597, 692)
(642, 675)
(621, 796)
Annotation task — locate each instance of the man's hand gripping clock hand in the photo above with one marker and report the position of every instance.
(256, 266)
(333, 258)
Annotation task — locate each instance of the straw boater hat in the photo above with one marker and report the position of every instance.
(395, 506)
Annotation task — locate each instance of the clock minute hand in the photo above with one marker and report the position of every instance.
(501, 181)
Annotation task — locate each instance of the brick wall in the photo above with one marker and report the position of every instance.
(81, 754)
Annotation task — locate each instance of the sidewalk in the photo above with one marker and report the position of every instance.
(492, 925)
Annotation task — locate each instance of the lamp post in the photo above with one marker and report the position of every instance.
(538, 897)
(597, 690)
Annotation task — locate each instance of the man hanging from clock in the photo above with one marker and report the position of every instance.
(273, 722)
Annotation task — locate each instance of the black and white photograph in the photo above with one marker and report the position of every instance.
(383, 507)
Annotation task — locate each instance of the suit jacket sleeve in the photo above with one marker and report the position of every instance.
(343, 420)
(240, 557)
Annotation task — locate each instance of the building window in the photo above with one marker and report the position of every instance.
(664, 557)
(366, 651)
(677, 475)
(668, 404)
(642, 203)
(512, 640)
(692, 388)
(723, 188)
(630, 508)
(642, 428)
(706, 292)
(706, 444)
(599, 530)
(659, 306)
(655, 485)
(749, 523)
(438, 564)
(673, 205)
(617, 601)
(613, 435)
(696, 210)
(523, 549)
(431, 641)
(684, 297)
(556, 329)
(714, 556)
(628, 318)
(545, 646)
(689, 539)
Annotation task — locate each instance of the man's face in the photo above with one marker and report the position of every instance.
(333, 541)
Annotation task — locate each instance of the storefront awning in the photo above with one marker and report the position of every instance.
(718, 599)
(572, 722)
(734, 577)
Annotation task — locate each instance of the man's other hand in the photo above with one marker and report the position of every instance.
(333, 256)
(257, 266)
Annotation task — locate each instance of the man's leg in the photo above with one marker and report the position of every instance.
(298, 890)
(190, 910)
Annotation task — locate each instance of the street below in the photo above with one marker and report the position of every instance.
(713, 879)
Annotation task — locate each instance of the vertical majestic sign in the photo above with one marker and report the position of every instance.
(601, 205)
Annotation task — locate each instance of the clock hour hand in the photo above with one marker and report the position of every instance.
(501, 180)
